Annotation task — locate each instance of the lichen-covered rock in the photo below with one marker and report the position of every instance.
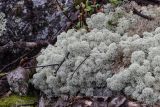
(18, 80)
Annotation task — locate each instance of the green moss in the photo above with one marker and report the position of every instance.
(14, 100)
(2, 74)
(115, 2)
(113, 22)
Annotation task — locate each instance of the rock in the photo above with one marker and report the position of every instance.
(18, 80)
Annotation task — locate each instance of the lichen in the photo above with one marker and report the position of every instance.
(2, 23)
(87, 59)
(123, 20)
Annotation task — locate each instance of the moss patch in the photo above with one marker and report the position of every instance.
(115, 2)
(2, 74)
(14, 100)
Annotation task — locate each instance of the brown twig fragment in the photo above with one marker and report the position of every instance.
(26, 105)
(61, 63)
(135, 11)
(42, 66)
(79, 66)
(13, 62)
(59, 5)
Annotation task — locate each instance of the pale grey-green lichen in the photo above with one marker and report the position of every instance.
(99, 49)
(2, 23)
(94, 71)
(122, 19)
(102, 47)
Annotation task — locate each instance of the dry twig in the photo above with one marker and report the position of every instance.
(62, 62)
(135, 11)
(79, 66)
(65, 13)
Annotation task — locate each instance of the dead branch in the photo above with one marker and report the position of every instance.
(42, 66)
(27, 105)
(22, 45)
(147, 2)
(79, 66)
(135, 11)
(65, 13)
(62, 62)
(13, 62)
